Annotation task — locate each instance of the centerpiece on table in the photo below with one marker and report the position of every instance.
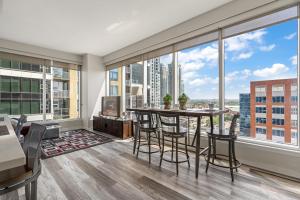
(182, 101)
(167, 101)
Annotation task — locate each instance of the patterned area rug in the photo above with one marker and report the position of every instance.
(70, 141)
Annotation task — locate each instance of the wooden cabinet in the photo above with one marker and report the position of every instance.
(118, 128)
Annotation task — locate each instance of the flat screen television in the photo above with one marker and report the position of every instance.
(111, 106)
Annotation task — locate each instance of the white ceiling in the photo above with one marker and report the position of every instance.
(97, 27)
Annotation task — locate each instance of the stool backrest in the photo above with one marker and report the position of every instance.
(32, 146)
(170, 121)
(144, 118)
(233, 123)
(21, 121)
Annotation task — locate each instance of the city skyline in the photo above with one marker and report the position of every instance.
(249, 57)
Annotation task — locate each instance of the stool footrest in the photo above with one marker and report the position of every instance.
(223, 166)
(174, 161)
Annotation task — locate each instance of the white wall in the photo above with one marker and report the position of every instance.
(93, 87)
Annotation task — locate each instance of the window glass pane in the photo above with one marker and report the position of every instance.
(198, 74)
(5, 107)
(25, 107)
(134, 79)
(159, 79)
(261, 79)
(5, 83)
(5, 63)
(35, 107)
(15, 108)
(65, 93)
(36, 68)
(26, 66)
(25, 87)
(35, 85)
(15, 84)
(20, 93)
(15, 64)
(115, 82)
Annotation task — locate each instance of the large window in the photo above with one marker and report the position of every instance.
(198, 78)
(261, 69)
(115, 82)
(65, 92)
(134, 80)
(259, 76)
(22, 90)
(159, 79)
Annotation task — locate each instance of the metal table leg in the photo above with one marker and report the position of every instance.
(198, 146)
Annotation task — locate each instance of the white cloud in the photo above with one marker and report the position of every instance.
(231, 76)
(267, 48)
(204, 81)
(243, 55)
(197, 58)
(235, 75)
(294, 60)
(290, 36)
(242, 41)
(166, 59)
(245, 73)
(276, 69)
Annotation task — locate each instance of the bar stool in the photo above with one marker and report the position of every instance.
(146, 123)
(230, 137)
(170, 127)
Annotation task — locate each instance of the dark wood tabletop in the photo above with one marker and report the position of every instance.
(188, 112)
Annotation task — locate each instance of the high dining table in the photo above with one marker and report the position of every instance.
(11, 152)
(199, 114)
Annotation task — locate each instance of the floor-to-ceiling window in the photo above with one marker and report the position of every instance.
(65, 88)
(134, 83)
(261, 81)
(22, 88)
(115, 82)
(198, 78)
(259, 76)
(159, 79)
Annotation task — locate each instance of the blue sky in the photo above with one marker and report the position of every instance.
(268, 53)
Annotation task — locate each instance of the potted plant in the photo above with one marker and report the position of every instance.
(167, 101)
(182, 101)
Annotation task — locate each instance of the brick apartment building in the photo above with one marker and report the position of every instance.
(273, 110)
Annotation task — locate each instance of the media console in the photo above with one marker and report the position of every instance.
(113, 126)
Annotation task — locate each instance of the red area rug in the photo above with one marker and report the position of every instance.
(70, 141)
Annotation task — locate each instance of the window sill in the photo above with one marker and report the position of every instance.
(266, 146)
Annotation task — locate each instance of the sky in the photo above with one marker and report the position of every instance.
(264, 54)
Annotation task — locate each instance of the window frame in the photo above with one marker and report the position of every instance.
(221, 56)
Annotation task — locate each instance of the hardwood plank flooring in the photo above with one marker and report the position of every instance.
(111, 171)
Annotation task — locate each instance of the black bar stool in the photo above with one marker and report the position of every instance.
(224, 136)
(146, 123)
(170, 127)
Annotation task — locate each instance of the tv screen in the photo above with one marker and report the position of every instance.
(111, 106)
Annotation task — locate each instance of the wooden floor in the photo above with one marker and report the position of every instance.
(111, 171)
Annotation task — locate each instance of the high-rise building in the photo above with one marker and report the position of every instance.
(154, 84)
(134, 85)
(274, 110)
(245, 114)
(21, 90)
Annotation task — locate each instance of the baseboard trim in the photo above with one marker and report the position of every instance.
(251, 168)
